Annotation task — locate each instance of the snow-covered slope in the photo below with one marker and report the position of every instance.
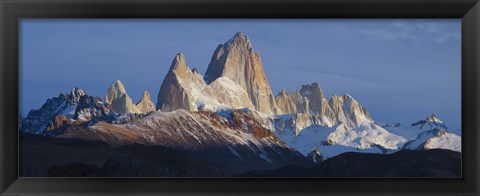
(425, 134)
(306, 132)
(331, 141)
(436, 138)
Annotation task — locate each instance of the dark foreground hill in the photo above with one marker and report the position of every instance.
(405, 163)
(59, 157)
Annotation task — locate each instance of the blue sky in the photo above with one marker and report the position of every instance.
(400, 70)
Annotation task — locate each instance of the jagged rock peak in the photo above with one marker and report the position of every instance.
(283, 92)
(430, 122)
(77, 92)
(231, 58)
(179, 64)
(433, 118)
(348, 110)
(240, 40)
(119, 86)
(236, 60)
(145, 105)
(116, 89)
(343, 98)
(118, 101)
(292, 102)
(175, 91)
(195, 70)
(146, 95)
(312, 90)
(74, 96)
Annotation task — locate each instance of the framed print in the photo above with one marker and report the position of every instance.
(280, 97)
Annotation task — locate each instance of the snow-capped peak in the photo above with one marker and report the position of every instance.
(435, 138)
(433, 118)
(75, 95)
(430, 122)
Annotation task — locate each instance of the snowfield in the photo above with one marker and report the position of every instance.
(368, 137)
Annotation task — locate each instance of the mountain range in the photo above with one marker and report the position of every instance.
(230, 118)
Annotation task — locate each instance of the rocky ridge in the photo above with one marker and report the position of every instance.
(233, 141)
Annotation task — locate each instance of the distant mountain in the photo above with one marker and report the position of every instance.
(430, 122)
(435, 138)
(430, 133)
(332, 127)
(63, 109)
(304, 133)
(311, 101)
(77, 107)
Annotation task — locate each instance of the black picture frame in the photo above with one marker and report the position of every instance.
(13, 10)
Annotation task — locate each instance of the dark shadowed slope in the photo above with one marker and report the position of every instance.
(42, 157)
(405, 163)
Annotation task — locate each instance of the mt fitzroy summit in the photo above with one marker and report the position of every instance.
(234, 79)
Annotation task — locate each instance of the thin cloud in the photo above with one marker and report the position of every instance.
(385, 34)
(407, 31)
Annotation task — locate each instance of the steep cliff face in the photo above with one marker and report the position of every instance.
(317, 102)
(234, 79)
(175, 92)
(311, 100)
(237, 61)
(118, 101)
(347, 110)
(290, 103)
(184, 88)
(145, 105)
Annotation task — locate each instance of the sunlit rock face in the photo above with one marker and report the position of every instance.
(118, 101)
(234, 79)
(175, 93)
(348, 111)
(184, 88)
(145, 105)
(290, 103)
(311, 100)
(237, 61)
